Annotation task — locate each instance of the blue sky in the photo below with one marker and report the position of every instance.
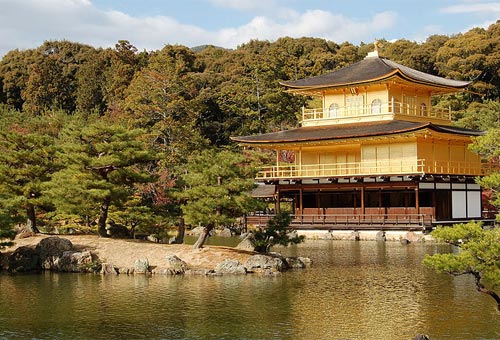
(150, 24)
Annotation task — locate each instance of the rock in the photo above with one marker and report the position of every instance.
(248, 243)
(50, 249)
(413, 237)
(292, 234)
(327, 236)
(230, 266)
(116, 230)
(226, 232)
(73, 261)
(109, 268)
(404, 241)
(153, 238)
(421, 337)
(262, 263)
(306, 261)
(354, 236)
(175, 265)
(24, 259)
(141, 266)
(295, 263)
(125, 270)
(380, 236)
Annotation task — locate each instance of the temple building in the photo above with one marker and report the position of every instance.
(375, 154)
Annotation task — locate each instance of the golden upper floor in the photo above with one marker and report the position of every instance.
(374, 89)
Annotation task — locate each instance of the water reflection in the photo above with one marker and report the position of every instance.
(355, 290)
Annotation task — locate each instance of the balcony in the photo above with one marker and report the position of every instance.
(378, 168)
(374, 112)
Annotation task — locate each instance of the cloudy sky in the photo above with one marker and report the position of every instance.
(150, 24)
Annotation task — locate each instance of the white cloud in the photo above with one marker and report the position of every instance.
(474, 7)
(316, 23)
(245, 5)
(27, 23)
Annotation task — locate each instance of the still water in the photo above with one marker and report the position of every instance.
(355, 290)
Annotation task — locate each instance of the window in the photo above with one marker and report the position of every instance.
(355, 105)
(334, 110)
(423, 110)
(376, 106)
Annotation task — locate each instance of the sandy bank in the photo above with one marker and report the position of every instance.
(122, 253)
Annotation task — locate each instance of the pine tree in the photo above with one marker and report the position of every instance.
(26, 163)
(479, 255)
(217, 189)
(103, 163)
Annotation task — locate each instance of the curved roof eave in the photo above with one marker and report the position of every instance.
(369, 70)
(325, 133)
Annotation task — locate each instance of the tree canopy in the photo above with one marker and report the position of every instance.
(478, 255)
(177, 102)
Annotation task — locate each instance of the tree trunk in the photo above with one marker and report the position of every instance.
(203, 237)
(31, 219)
(103, 217)
(179, 239)
(482, 289)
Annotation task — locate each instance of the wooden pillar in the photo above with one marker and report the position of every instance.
(417, 203)
(278, 200)
(363, 200)
(301, 207)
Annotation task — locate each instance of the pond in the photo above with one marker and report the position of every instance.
(354, 290)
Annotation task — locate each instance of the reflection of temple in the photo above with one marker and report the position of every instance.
(375, 153)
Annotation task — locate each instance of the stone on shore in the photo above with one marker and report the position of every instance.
(73, 261)
(263, 263)
(230, 266)
(50, 249)
(141, 266)
(24, 259)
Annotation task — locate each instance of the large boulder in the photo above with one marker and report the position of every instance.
(73, 261)
(230, 266)
(109, 268)
(141, 266)
(174, 265)
(24, 259)
(412, 237)
(354, 236)
(262, 263)
(226, 232)
(306, 261)
(421, 337)
(295, 263)
(50, 249)
(380, 236)
(248, 243)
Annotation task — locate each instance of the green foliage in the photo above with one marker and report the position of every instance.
(478, 255)
(479, 252)
(27, 161)
(276, 233)
(217, 185)
(103, 160)
(480, 116)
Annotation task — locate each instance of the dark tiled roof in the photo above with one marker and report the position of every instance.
(368, 70)
(264, 191)
(332, 132)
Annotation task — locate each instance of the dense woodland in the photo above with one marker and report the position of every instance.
(92, 136)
